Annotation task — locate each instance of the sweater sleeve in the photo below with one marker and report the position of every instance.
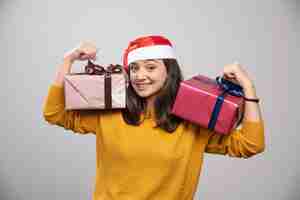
(54, 112)
(244, 142)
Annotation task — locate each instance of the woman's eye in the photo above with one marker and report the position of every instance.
(151, 67)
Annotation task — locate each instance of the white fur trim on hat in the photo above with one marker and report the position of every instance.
(151, 52)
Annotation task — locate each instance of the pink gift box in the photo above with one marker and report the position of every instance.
(196, 100)
(92, 90)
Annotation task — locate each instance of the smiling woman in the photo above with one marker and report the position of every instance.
(155, 156)
(148, 77)
(153, 87)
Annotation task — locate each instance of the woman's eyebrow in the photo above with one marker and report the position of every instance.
(151, 60)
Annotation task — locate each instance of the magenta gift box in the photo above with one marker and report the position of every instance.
(196, 100)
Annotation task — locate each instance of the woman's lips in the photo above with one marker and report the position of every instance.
(141, 86)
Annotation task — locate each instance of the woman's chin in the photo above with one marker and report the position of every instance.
(143, 94)
(146, 93)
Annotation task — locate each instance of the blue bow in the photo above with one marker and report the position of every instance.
(230, 87)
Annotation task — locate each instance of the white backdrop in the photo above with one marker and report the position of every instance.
(39, 161)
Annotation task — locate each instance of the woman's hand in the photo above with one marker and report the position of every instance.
(85, 50)
(236, 73)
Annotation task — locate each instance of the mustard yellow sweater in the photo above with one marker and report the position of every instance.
(146, 163)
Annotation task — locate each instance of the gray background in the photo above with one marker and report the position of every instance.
(39, 161)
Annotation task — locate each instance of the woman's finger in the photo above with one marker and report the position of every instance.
(229, 75)
(84, 57)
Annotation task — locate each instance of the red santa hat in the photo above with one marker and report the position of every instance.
(148, 47)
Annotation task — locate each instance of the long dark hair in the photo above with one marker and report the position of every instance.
(136, 105)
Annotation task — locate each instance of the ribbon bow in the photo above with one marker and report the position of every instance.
(230, 87)
(95, 69)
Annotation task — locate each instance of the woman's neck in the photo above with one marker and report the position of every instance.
(150, 102)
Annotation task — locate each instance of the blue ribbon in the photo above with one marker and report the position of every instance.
(228, 87)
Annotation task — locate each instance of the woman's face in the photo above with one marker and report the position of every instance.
(147, 76)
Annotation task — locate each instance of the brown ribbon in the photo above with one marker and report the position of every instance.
(94, 69)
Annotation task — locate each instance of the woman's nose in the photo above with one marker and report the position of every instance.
(140, 74)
